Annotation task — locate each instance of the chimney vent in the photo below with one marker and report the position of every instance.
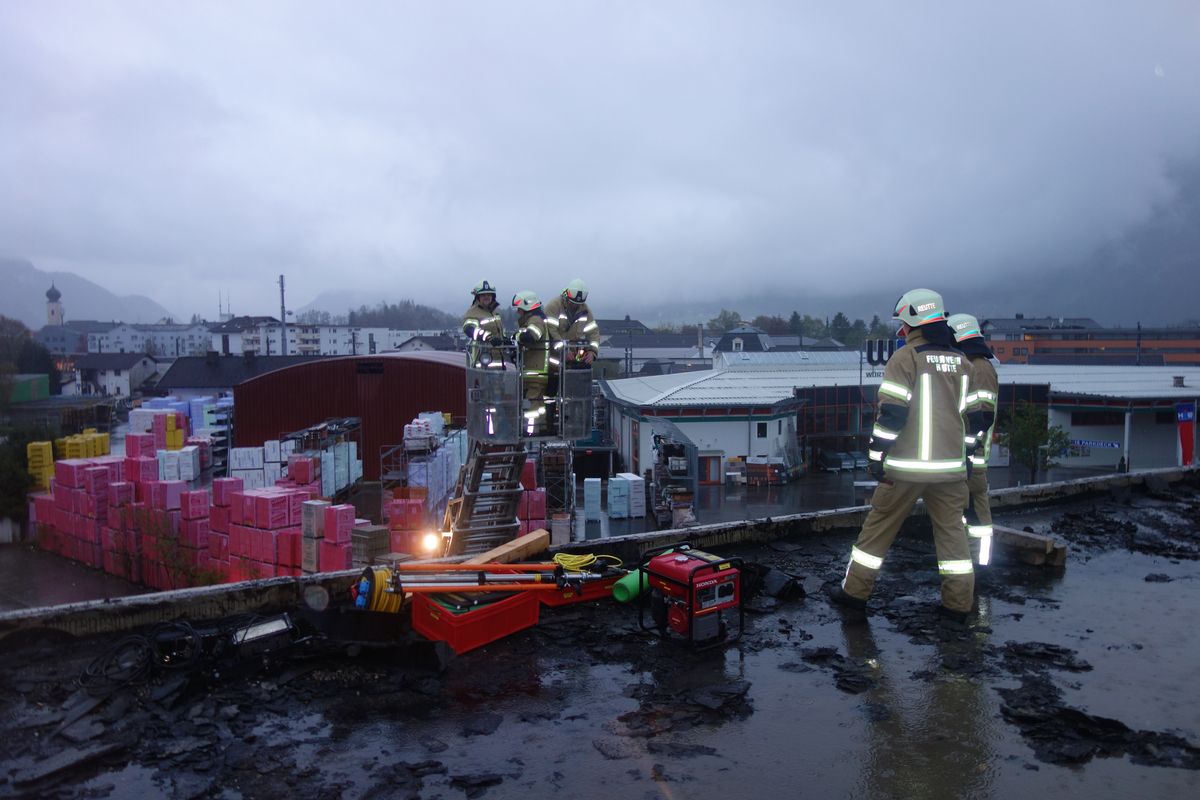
(1177, 381)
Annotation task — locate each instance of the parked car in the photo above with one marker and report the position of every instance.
(847, 461)
(860, 459)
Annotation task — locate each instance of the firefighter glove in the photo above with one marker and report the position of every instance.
(875, 470)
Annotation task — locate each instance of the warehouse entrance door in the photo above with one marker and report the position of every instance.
(710, 471)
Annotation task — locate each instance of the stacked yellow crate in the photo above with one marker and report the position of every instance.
(41, 462)
(175, 434)
(76, 447)
(60, 448)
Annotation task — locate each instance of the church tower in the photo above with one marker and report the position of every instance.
(54, 309)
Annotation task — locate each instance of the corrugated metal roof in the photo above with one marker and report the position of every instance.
(785, 360)
(763, 386)
(1120, 383)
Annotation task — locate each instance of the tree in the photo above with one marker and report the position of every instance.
(405, 315)
(773, 325)
(20, 353)
(814, 327)
(796, 324)
(840, 327)
(15, 479)
(314, 317)
(1030, 440)
(857, 334)
(879, 329)
(724, 322)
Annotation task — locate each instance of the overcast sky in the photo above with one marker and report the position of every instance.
(673, 150)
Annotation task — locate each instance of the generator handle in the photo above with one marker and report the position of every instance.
(713, 565)
(658, 551)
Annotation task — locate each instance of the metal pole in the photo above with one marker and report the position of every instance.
(860, 391)
(282, 320)
(1128, 436)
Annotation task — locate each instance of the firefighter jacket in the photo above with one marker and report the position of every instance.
(920, 427)
(981, 409)
(566, 326)
(482, 324)
(534, 341)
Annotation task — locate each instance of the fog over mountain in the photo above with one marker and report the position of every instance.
(24, 297)
(677, 154)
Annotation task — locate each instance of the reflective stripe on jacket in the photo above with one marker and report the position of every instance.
(930, 383)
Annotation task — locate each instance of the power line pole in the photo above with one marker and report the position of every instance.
(282, 320)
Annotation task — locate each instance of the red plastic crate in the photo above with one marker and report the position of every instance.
(468, 630)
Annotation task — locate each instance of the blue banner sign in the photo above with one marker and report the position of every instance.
(1096, 443)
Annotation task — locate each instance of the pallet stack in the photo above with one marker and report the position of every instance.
(40, 459)
(531, 512)
(407, 523)
(264, 533)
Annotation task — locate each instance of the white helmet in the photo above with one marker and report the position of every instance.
(483, 287)
(964, 326)
(919, 307)
(576, 291)
(526, 301)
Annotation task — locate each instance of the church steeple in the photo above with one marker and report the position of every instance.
(54, 309)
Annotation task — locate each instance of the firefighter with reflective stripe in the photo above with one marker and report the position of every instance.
(570, 320)
(482, 326)
(917, 450)
(981, 421)
(534, 341)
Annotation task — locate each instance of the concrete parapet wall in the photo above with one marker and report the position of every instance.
(276, 594)
(631, 547)
(201, 603)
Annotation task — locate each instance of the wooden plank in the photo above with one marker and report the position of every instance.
(1024, 540)
(1031, 548)
(518, 549)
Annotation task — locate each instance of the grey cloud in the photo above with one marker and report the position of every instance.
(672, 149)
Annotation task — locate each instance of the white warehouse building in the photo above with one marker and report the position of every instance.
(760, 404)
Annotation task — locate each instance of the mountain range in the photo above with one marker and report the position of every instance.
(24, 297)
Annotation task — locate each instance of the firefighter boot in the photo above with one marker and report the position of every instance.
(849, 607)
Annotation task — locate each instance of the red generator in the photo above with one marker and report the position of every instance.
(690, 593)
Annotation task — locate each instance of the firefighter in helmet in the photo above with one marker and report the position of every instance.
(981, 419)
(483, 328)
(534, 341)
(918, 450)
(571, 321)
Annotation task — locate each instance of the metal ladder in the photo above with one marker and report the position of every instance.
(483, 511)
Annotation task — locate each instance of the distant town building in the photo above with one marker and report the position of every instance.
(441, 341)
(749, 339)
(165, 340)
(264, 336)
(112, 374)
(212, 374)
(1066, 341)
